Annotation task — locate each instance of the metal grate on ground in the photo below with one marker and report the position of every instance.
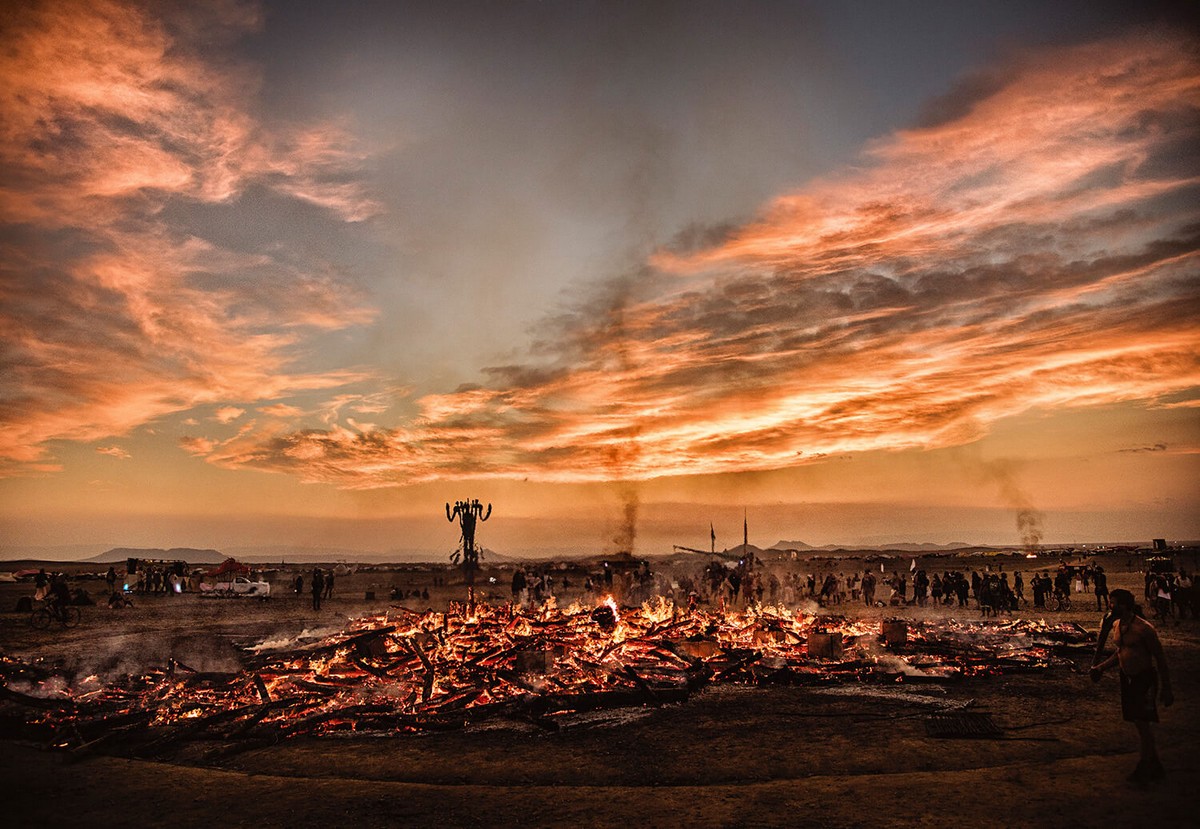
(958, 724)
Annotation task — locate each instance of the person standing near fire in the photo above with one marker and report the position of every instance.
(318, 587)
(868, 588)
(1100, 580)
(518, 587)
(1144, 677)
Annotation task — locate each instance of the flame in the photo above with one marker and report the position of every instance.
(433, 664)
(611, 604)
(658, 610)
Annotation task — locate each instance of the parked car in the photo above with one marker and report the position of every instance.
(240, 586)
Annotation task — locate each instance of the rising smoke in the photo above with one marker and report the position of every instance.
(1029, 519)
(1029, 527)
(626, 533)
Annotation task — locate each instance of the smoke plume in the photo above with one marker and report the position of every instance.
(1029, 518)
(626, 534)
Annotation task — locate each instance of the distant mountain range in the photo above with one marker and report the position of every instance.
(188, 554)
(277, 554)
(904, 547)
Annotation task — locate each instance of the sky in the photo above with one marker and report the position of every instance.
(297, 274)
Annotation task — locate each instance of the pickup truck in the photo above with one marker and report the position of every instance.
(240, 586)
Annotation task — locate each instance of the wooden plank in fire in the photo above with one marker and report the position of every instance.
(112, 735)
(180, 732)
(44, 703)
(427, 689)
(311, 721)
(316, 649)
(738, 665)
(245, 726)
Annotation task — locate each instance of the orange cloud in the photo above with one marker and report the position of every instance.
(1032, 245)
(113, 315)
(228, 414)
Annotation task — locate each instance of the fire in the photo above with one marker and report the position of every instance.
(407, 672)
(661, 609)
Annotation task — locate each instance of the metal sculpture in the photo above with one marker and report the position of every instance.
(468, 514)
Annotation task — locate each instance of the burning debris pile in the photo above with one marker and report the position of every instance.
(405, 672)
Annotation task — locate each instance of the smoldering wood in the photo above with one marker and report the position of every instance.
(407, 672)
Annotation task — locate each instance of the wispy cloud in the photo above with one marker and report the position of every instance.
(228, 414)
(197, 446)
(1033, 244)
(281, 410)
(112, 313)
(1158, 447)
(114, 452)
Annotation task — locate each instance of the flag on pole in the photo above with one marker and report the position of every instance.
(912, 566)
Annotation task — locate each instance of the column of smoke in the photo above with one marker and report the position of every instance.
(621, 457)
(626, 533)
(1029, 519)
(1029, 526)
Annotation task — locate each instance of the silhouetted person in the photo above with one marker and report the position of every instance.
(318, 587)
(1139, 652)
(1100, 580)
(60, 596)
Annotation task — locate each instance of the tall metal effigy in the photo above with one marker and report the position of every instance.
(468, 514)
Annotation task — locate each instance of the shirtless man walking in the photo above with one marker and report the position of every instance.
(1138, 653)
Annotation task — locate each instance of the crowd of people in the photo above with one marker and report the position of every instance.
(991, 592)
(745, 583)
(750, 582)
(164, 579)
(534, 586)
(1171, 595)
(320, 584)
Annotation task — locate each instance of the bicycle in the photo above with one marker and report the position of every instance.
(1060, 601)
(42, 617)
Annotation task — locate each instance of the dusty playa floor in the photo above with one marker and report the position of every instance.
(730, 756)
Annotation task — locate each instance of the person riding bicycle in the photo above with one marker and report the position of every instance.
(60, 596)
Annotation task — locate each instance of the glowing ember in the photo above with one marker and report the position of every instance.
(406, 672)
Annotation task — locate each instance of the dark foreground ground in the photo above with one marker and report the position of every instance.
(730, 756)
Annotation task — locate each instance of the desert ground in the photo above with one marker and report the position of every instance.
(731, 755)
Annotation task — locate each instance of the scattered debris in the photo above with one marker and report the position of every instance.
(408, 672)
(957, 724)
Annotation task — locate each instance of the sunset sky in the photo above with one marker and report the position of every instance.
(299, 273)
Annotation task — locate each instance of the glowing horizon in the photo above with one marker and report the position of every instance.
(200, 288)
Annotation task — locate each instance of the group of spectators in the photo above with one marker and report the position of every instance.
(168, 579)
(320, 583)
(748, 583)
(532, 587)
(1172, 596)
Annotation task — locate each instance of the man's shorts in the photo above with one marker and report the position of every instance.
(1138, 693)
